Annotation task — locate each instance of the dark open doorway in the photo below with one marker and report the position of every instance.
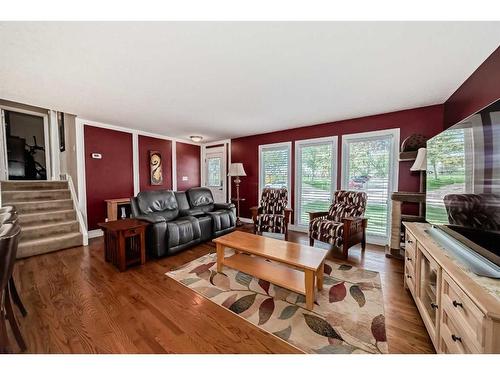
(25, 138)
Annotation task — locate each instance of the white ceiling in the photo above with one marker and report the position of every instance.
(229, 79)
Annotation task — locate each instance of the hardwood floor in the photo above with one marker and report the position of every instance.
(77, 303)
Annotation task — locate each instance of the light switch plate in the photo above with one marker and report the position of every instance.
(184, 178)
(95, 155)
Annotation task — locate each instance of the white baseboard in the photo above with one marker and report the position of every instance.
(95, 233)
(246, 220)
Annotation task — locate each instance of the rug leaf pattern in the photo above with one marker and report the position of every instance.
(348, 315)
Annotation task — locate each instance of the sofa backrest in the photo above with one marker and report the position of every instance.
(160, 202)
(182, 200)
(201, 198)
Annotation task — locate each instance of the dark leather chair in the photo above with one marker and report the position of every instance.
(169, 232)
(223, 215)
(343, 225)
(9, 239)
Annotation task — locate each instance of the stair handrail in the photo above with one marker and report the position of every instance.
(81, 221)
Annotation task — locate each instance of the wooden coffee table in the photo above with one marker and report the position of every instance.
(294, 266)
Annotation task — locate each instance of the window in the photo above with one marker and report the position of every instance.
(316, 171)
(274, 166)
(214, 172)
(370, 164)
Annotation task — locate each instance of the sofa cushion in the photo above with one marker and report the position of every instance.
(325, 230)
(160, 202)
(183, 230)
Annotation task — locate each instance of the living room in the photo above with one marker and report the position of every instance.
(256, 187)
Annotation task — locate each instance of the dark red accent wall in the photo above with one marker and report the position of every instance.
(479, 90)
(188, 164)
(109, 177)
(164, 146)
(426, 120)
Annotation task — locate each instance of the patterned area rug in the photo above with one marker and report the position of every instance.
(348, 315)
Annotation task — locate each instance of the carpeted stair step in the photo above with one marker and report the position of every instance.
(51, 217)
(11, 197)
(44, 206)
(47, 230)
(33, 185)
(48, 244)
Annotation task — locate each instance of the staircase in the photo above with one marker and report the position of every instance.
(47, 216)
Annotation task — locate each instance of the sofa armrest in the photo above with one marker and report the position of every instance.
(314, 215)
(191, 212)
(151, 218)
(224, 206)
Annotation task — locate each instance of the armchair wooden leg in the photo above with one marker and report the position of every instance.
(12, 320)
(345, 251)
(311, 241)
(363, 241)
(16, 298)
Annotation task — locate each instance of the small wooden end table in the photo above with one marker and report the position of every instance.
(124, 242)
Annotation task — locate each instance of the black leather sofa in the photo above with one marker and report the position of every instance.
(181, 219)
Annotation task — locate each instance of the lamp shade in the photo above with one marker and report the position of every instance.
(420, 163)
(236, 169)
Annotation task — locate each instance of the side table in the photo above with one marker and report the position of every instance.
(124, 242)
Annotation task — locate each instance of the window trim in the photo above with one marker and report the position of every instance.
(268, 146)
(335, 142)
(393, 170)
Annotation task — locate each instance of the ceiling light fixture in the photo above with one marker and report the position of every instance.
(196, 138)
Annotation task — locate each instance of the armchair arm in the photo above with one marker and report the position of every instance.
(314, 215)
(354, 221)
(255, 211)
(151, 218)
(288, 213)
(225, 206)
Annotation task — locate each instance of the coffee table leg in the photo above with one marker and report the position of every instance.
(319, 275)
(220, 257)
(309, 277)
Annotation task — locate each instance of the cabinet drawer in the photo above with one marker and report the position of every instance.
(411, 242)
(410, 278)
(452, 338)
(411, 257)
(132, 232)
(463, 311)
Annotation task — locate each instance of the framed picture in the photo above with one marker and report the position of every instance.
(155, 167)
(60, 125)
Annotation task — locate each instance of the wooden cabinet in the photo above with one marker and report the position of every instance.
(460, 310)
(428, 296)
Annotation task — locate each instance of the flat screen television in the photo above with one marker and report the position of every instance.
(463, 182)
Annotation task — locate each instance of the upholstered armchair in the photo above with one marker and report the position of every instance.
(272, 215)
(343, 225)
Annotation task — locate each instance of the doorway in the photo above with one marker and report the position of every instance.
(215, 172)
(25, 137)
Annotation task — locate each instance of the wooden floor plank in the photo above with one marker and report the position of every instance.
(77, 303)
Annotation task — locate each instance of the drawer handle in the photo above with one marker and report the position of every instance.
(408, 276)
(457, 304)
(433, 305)
(408, 259)
(456, 338)
(409, 241)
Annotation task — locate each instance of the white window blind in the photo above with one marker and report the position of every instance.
(315, 176)
(370, 165)
(274, 166)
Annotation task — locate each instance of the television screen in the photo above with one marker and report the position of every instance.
(463, 181)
